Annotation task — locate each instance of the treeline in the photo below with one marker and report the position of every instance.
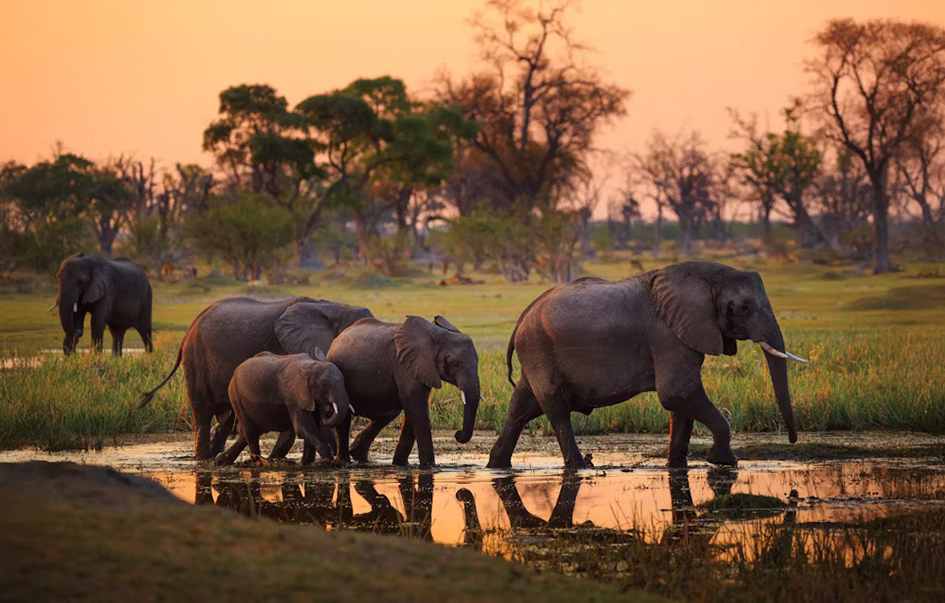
(499, 167)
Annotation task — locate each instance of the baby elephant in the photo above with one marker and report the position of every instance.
(389, 368)
(293, 395)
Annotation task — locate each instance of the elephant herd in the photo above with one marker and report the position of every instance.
(303, 367)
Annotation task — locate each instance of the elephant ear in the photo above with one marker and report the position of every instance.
(294, 376)
(96, 288)
(445, 324)
(303, 328)
(685, 302)
(416, 350)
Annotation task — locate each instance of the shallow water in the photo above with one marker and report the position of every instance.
(462, 504)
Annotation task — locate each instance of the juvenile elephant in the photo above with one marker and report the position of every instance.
(280, 393)
(115, 292)
(594, 343)
(389, 368)
(236, 329)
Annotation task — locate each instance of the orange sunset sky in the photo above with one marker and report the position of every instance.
(142, 76)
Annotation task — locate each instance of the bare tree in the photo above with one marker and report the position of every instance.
(921, 168)
(681, 174)
(874, 82)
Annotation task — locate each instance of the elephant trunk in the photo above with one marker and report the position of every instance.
(770, 333)
(471, 398)
(67, 318)
(335, 412)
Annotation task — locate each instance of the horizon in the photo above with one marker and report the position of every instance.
(128, 91)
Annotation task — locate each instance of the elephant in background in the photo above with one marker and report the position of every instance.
(389, 368)
(116, 293)
(593, 343)
(293, 394)
(234, 330)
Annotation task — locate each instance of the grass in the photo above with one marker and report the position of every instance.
(91, 534)
(876, 345)
(897, 558)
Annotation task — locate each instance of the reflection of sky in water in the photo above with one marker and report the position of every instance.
(536, 497)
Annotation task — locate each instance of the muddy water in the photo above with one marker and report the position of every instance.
(463, 504)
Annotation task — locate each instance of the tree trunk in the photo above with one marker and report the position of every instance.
(880, 222)
(656, 232)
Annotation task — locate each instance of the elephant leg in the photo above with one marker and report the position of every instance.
(145, 334)
(701, 409)
(98, 330)
(307, 429)
(252, 440)
(362, 443)
(225, 420)
(523, 408)
(342, 433)
(118, 340)
(202, 448)
(680, 430)
(558, 411)
(231, 453)
(283, 445)
(405, 443)
(417, 414)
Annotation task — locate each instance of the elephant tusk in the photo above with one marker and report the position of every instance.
(50, 308)
(774, 352)
(334, 407)
(75, 307)
(795, 358)
(353, 409)
(463, 395)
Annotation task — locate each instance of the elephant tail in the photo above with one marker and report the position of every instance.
(148, 396)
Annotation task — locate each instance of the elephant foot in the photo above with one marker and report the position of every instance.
(678, 462)
(722, 455)
(221, 460)
(360, 456)
(258, 461)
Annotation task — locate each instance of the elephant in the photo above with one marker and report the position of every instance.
(294, 393)
(593, 343)
(115, 292)
(390, 367)
(328, 504)
(233, 330)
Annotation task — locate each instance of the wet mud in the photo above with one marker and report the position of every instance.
(629, 495)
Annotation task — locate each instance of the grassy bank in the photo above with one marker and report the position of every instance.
(91, 534)
(876, 344)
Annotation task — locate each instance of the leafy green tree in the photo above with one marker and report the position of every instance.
(781, 166)
(377, 147)
(246, 234)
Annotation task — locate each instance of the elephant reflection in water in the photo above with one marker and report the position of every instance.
(687, 525)
(521, 519)
(328, 503)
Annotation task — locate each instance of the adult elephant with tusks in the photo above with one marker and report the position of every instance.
(116, 293)
(236, 329)
(593, 343)
(389, 368)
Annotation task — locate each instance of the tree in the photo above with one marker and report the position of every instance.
(875, 85)
(681, 173)
(539, 106)
(377, 147)
(780, 166)
(246, 234)
(921, 167)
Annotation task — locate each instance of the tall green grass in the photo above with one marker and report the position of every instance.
(82, 400)
(872, 379)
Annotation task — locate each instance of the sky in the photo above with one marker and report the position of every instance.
(142, 77)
